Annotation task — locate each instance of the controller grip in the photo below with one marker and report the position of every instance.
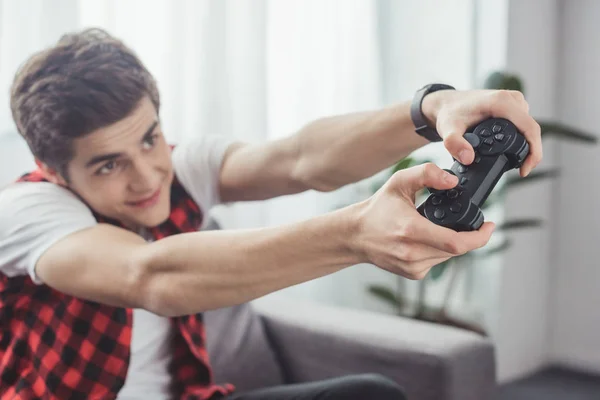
(470, 219)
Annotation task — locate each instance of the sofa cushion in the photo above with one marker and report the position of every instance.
(239, 349)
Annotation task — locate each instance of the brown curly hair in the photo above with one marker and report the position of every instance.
(86, 81)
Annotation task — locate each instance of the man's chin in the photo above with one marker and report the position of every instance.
(154, 220)
(150, 218)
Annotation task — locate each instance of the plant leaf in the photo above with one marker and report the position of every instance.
(534, 176)
(403, 164)
(503, 80)
(519, 224)
(566, 132)
(387, 295)
(407, 163)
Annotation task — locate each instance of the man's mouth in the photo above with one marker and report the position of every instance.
(147, 202)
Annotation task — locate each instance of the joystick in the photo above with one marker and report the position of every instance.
(499, 147)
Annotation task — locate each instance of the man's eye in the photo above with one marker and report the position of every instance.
(150, 141)
(107, 168)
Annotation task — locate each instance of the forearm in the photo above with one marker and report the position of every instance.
(194, 272)
(343, 149)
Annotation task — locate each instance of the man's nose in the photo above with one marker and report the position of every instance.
(142, 178)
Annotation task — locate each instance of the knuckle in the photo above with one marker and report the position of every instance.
(417, 274)
(504, 95)
(500, 97)
(408, 254)
(428, 169)
(398, 177)
(453, 246)
(537, 128)
(517, 95)
(449, 140)
(408, 229)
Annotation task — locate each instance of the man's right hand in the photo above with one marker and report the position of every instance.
(392, 235)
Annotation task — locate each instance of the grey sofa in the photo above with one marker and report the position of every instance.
(271, 342)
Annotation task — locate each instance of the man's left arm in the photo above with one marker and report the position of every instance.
(334, 151)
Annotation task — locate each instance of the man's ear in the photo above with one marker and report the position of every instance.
(50, 174)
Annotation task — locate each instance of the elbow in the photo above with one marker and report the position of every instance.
(145, 285)
(310, 175)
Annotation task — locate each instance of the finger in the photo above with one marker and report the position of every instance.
(520, 98)
(424, 231)
(502, 104)
(415, 251)
(411, 180)
(535, 150)
(476, 239)
(421, 269)
(448, 240)
(452, 130)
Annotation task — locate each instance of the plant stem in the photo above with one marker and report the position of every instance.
(453, 277)
(399, 294)
(421, 298)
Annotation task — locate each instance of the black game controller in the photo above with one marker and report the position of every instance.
(499, 147)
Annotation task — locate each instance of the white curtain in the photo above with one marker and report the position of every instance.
(260, 69)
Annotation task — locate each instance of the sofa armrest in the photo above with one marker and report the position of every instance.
(430, 361)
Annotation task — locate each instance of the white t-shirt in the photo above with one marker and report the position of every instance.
(35, 215)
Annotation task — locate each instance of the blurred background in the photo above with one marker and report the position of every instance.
(259, 70)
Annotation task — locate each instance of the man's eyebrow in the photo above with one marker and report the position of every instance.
(150, 130)
(101, 158)
(111, 156)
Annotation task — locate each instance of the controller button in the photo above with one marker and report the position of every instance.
(462, 169)
(464, 180)
(499, 137)
(439, 213)
(477, 159)
(456, 207)
(489, 141)
(485, 133)
(473, 139)
(496, 129)
(436, 200)
(452, 193)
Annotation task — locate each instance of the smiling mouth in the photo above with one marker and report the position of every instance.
(147, 202)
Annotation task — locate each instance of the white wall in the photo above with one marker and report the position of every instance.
(575, 293)
(522, 333)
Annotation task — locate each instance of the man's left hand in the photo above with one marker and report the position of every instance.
(453, 111)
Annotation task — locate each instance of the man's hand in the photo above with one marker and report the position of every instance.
(453, 112)
(394, 236)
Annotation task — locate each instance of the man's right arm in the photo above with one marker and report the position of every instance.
(195, 272)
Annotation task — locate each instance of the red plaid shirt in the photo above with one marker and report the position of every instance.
(56, 346)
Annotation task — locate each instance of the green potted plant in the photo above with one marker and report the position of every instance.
(392, 294)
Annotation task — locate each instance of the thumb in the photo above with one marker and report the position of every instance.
(428, 175)
(452, 130)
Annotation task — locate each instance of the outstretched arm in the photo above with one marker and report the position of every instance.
(194, 272)
(334, 151)
(324, 155)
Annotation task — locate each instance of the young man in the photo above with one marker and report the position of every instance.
(103, 273)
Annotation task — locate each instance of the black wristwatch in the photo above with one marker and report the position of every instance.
(421, 126)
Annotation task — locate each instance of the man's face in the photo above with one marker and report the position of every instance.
(124, 171)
